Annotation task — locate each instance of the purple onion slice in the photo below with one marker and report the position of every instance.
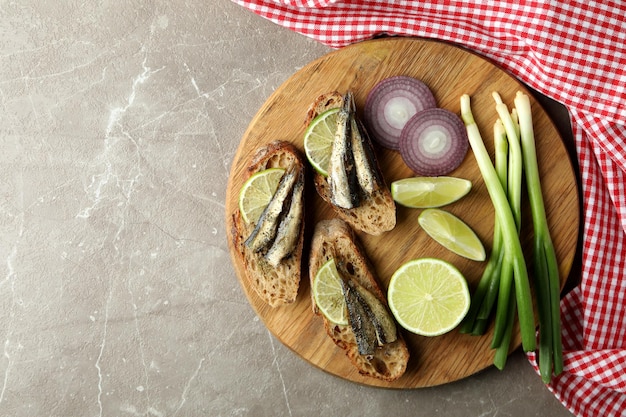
(434, 142)
(390, 105)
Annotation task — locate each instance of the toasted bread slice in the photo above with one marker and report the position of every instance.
(326, 101)
(374, 215)
(335, 239)
(276, 285)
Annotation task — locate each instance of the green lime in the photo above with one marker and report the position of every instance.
(319, 138)
(257, 192)
(452, 233)
(426, 192)
(428, 296)
(328, 293)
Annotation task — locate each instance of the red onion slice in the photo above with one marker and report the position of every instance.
(434, 142)
(390, 105)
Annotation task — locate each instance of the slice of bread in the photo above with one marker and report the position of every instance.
(275, 285)
(335, 239)
(326, 101)
(376, 214)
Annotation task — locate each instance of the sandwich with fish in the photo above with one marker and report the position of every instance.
(369, 336)
(354, 187)
(271, 245)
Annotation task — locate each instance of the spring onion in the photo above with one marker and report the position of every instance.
(501, 146)
(484, 297)
(515, 158)
(509, 131)
(503, 329)
(510, 237)
(546, 270)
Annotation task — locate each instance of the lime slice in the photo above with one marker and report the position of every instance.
(328, 293)
(428, 296)
(319, 138)
(257, 192)
(452, 233)
(426, 192)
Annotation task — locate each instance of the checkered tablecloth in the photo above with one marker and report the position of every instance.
(574, 52)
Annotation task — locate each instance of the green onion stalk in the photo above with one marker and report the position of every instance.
(513, 254)
(509, 132)
(486, 293)
(546, 270)
(503, 330)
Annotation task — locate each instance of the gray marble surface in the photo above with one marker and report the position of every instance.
(118, 124)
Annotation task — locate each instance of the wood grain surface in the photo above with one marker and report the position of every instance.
(449, 71)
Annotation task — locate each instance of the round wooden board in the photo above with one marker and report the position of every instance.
(449, 71)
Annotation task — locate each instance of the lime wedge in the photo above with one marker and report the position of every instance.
(452, 233)
(328, 293)
(428, 296)
(319, 138)
(257, 192)
(426, 192)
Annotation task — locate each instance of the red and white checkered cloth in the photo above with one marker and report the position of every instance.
(574, 52)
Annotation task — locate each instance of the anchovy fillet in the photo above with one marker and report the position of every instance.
(370, 320)
(266, 228)
(380, 317)
(359, 316)
(342, 177)
(289, 229)
(366, 169)
(353, 171)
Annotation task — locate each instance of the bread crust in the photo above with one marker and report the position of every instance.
(376, 214)
(335, 239)
(275, 285)
(326, 101)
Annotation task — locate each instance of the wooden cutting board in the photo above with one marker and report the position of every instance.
(449, 71)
